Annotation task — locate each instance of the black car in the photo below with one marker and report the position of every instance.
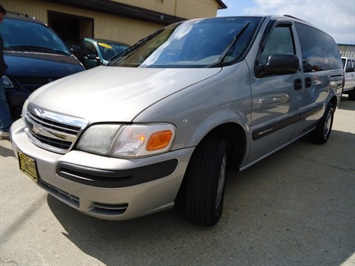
(93, 52)
(35, 56)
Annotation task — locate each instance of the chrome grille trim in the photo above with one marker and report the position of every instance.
(52, 131)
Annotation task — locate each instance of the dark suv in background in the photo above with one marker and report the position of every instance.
(35, 55)
(94, 52)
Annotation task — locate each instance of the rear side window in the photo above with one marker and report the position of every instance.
(344, 61)
(350, 65)
(319, 50)
(332, 51)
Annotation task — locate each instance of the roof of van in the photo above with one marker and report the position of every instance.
(21, 16)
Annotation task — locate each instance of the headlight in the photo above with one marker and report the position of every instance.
(24, 110)
(98, 139)
(7, 82)
(127, 141)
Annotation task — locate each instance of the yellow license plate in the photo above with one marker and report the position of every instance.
(28, 166)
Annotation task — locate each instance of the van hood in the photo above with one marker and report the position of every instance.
(29, 64)
(119, 94)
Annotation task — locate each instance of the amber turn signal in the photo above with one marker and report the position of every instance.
(159, 140)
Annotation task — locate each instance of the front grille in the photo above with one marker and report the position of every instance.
(52, 131)
(70, 129)
(52, 142)
(74, 201)
(60, 194)
(33, 83)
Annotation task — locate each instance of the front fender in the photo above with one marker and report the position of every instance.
(198, 109)
(215, 120)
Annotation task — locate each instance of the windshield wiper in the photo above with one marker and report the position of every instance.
(20, 48)
(32, 48)
(134, 46)
(229, 46)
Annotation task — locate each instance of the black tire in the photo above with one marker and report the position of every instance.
(351, 95)
(205, 182)
(322, 132)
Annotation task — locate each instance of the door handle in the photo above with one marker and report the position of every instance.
(308, 82)
(297, 84)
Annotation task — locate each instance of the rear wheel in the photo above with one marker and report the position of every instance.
(205, 182)
(351, 95)
(322, 132)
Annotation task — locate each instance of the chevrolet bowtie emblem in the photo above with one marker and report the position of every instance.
(36, 129)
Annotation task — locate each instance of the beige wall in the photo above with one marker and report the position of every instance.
(105, 26)
(114, 27)
(196, 9)
(178, 8)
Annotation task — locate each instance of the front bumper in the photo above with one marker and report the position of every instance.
(103, 187)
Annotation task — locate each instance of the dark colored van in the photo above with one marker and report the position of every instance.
(35, 56)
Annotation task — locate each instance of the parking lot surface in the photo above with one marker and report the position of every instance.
(294, 208)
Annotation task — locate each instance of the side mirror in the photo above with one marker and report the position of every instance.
(278, 64)
(94, 57)
(349, 69)
(91, 56)
(75, 49)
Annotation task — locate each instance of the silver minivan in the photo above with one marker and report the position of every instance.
(168, 117)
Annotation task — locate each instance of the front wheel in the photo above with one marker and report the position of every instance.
(205, 182)
(322, 132)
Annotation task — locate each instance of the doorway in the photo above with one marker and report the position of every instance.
(70, 26)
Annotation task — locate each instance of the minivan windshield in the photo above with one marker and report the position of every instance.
(24, 35)
(195, 43)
